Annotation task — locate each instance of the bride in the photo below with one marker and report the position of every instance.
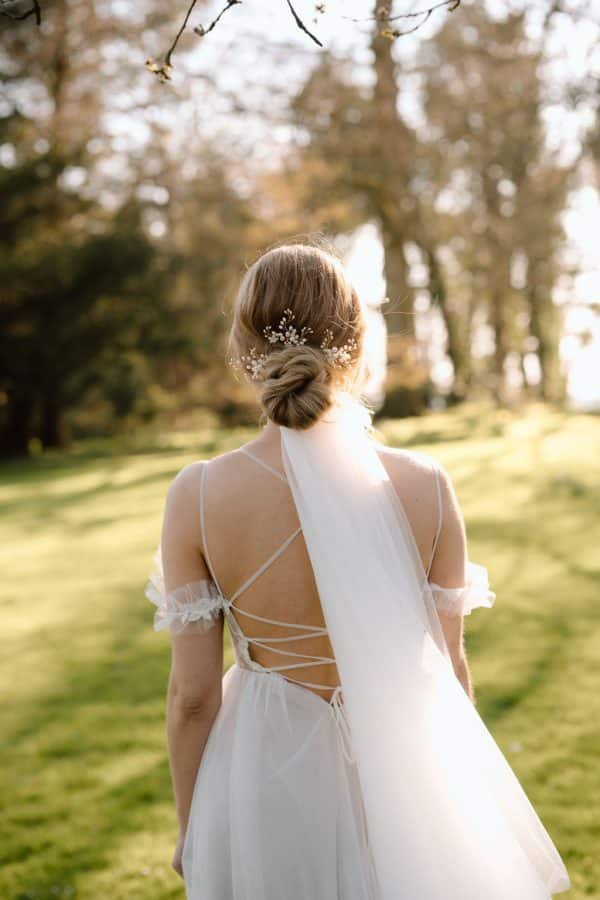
(341, 757)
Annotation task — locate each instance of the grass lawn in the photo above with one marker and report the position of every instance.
(87, 810)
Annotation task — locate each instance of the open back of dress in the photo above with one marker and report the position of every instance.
(286, 640)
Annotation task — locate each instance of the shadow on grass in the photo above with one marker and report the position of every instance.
(47, 508)
(532, 535)
(544, 666)
(76, 799)
(461, 424)
(86, 453)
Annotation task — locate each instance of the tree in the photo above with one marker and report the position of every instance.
(71, 296)
(483, 102)
(356, 162)
(98, 302)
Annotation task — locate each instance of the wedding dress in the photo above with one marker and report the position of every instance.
(391, 790)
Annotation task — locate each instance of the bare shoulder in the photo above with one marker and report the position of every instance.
(409, 465)
(413, 474)
(215, 483)
(418, 468)
(413, 477)
(182, 511)
(186, 483)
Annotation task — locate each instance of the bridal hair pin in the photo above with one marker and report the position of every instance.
(289, 335)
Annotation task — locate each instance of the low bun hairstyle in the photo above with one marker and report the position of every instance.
(296, 388)
(298, 383)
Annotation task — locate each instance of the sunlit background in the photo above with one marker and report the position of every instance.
(454, 168)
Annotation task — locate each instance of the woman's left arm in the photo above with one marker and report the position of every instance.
(449, 568)
(194, 690)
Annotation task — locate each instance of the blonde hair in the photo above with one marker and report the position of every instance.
(298, 383)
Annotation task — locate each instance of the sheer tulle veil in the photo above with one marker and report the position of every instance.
(446, 815)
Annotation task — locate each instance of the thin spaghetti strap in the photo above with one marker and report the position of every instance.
(203, 532)
(262, 463)
(438, 492)
(265, 565)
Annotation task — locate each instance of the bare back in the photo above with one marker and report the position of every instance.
(249, 516)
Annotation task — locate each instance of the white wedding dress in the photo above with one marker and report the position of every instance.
(372, 798)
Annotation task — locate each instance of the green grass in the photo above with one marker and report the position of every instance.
(86, 797)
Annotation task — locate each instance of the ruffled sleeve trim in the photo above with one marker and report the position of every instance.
(462, 601)
(193, 607)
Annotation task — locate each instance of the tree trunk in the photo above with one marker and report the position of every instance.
(542, 326)
(51, 430)
(501, 314)
(17, 430)
(392, 141)
(400, 313)
(499, 326)
(457, 348)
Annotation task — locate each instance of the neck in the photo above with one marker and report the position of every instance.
(270, 434)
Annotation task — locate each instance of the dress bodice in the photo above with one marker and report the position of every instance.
(199, 605)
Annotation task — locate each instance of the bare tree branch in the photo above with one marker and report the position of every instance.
(395, 32)
(384, 17)
(171, 49)
(200, 30)
(34, 10)
(301, 24)
(163, 71)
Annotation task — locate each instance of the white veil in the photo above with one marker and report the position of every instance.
(446, 816)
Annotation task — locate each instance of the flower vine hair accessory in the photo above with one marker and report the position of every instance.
(289, 335)
(340, 357)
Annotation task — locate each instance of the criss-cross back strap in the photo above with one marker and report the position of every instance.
(265, 565)
(297, 632)
(203, 530)
(262, 463)
(307, 659)
(282, 547)
(438, 491)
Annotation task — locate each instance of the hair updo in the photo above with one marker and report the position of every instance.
(298, 383)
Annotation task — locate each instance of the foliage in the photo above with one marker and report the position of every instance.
(130, 212)
(98, 318)
(80, 288)
(474, 190)
(509, 190)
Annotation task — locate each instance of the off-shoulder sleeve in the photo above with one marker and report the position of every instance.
(463, 600)
(194, 607)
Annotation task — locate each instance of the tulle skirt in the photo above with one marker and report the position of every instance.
(277, 811)
(278, 814)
